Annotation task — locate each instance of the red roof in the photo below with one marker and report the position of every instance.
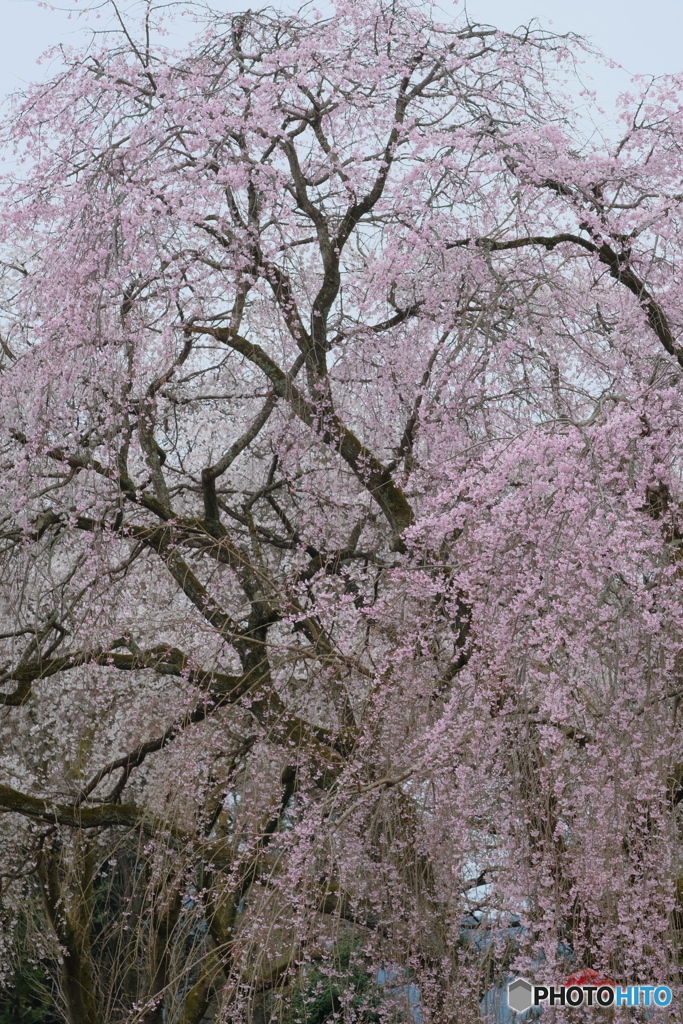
(589, 977)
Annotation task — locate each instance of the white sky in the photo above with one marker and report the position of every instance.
(644, 36)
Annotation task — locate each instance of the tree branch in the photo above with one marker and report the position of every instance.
(620, 269)
(375, 477)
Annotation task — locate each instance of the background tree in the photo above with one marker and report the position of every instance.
(341, 623)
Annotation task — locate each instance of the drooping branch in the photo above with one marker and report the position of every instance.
(72, 929)
(223, 925)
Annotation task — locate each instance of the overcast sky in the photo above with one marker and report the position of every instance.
(644, 37)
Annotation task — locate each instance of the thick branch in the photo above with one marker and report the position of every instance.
(125, 484)
(619, 267)
(373, 475)
(126, 815)
(164, 660)
(108, 816)
(211, 473)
